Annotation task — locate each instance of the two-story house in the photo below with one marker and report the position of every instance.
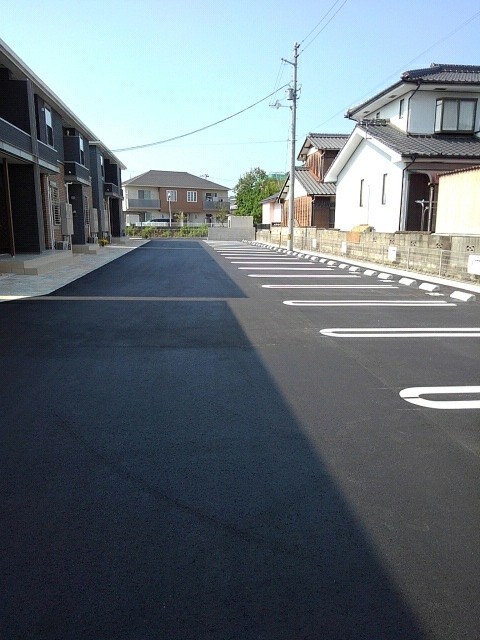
(426, 124)
(314, 199)
(49, 198)
(167, 195)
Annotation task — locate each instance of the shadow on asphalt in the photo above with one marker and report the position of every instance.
(157, 485)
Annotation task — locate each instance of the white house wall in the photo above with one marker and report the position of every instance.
(370, 164)
(271, 212)
(423, 106)
(299, 190)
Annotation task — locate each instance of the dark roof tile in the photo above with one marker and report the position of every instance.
(172, 180)
(328, 141)
(311, 185)
(425, 146)
(445, 73)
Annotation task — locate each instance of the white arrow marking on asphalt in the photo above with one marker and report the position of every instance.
(367, 303)
(400, 332)
(329, 286)
(413, 395)
(286, 275)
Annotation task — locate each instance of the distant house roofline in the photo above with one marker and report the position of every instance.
(173, 180)
(436, 74)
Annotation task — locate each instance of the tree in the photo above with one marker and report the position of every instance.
(253, 187)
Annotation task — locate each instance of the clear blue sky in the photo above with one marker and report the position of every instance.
(140, 71)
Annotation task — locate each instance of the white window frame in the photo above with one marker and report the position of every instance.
(191, 196)
(384, 188)
(48, 125)
(55, 204)
(171, 195)
(401, 108)
(362, 187)
(145, 194)
(82, 151)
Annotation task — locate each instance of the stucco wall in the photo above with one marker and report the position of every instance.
(369, 164)
(458, 209)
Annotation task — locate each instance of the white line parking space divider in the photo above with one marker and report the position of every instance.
(439, 304)
(289, 268)
(414, 395)
(294, 275)
(329, 286)
(403, 332)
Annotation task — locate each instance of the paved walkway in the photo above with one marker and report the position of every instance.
(14, 286)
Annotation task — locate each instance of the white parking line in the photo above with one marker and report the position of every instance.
(290, 268)
(368, 303)
(329, 286)
(413, 395)
(286, 275)
(401, 332)
(285, 261)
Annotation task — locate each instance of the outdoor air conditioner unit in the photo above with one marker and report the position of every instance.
(62, 245)
(93, 220)
(66, 215)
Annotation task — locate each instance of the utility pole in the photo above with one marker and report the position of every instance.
(291, 192)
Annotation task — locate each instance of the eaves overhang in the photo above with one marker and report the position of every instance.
(23, 72)
(357, 136)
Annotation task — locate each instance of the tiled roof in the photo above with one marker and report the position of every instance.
(272, 198)
(463, 170)
(171, 180)
(444, 73)
(435, 74)
(328, 141)
(425, 146)
(311, 185)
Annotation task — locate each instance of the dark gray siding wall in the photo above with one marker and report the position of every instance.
(14, 103)
(24, 206)
(75, 193)
(58, 134)
(97, 181)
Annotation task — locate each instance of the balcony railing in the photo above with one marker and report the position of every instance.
(14, 136)
(47, 153)
(136, 203)
(216, 205)
(113, 190)
(76, 172)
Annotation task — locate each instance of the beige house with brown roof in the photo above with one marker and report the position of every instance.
(165, 195)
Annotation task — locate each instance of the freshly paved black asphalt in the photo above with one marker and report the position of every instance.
(183, 456)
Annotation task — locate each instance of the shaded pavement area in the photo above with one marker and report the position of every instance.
(157, 483)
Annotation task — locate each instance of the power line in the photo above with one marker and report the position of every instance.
(208, 126)
(403, 67)
(324, 26)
